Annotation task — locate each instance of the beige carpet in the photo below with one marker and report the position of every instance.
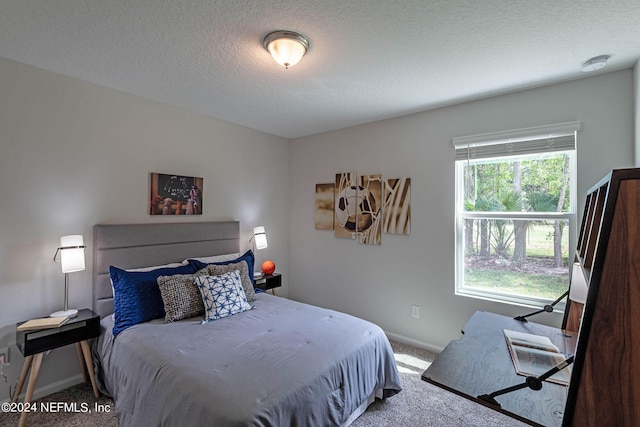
(77, 398)
(419, 404)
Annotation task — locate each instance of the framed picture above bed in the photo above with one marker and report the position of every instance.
(175, 195)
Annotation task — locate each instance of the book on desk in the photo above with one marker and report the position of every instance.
(534, 355)
(42, 323)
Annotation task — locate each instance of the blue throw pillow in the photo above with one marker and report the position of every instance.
(136, 295)
(247, 256)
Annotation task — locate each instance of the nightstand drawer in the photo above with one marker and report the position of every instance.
(269, 281)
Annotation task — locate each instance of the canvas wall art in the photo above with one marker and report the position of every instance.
(324, 206)
(364, 207)
(369, 209)
(397, 206)
(345, 206)
(175, 195)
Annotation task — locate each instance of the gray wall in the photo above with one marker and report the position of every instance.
(75, 154)
(380, 283)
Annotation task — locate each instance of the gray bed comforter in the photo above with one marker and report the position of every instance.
(283, 363)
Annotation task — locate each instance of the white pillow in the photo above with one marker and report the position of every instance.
(155, 267)
(215, 258)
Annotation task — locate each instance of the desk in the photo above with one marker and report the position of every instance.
(33, 344)
(479, 363)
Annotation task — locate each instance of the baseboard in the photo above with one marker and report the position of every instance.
(48, 389)
(414, 343)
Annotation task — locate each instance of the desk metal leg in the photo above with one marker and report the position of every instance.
(33, 376)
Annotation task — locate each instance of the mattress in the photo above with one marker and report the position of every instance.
(281, 363)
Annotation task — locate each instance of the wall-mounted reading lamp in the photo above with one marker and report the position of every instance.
(259, 238)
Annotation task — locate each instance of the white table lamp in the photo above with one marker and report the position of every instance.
(71, 252)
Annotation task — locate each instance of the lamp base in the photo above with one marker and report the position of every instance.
(72, 312)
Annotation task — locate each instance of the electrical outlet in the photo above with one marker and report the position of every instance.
(415, 311)
(4, 356)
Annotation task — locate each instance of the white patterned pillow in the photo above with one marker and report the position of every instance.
(222, 295)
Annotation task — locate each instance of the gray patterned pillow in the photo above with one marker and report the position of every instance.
(181, 296)
(247, 285)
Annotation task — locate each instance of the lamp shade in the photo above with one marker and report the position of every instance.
(260, 237)
(72, 253)
(579, 287)
(286, 47)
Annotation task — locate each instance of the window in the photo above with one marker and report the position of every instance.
(515, 214)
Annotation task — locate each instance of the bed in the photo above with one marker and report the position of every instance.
(277, 363)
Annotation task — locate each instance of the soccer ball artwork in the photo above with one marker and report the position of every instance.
(355, 207)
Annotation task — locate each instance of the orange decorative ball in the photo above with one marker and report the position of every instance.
(268, 267)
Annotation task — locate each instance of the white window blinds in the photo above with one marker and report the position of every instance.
(540, 139)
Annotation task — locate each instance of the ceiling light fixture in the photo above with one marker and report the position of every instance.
(286, 47)
(595, 63)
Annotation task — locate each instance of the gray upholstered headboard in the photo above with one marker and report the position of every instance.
(142, 245)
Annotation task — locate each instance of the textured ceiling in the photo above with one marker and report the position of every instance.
(368, 59)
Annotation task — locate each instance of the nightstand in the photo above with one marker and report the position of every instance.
(269, 281)
(33, 345)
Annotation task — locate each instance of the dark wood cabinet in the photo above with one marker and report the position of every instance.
(605, 383)
(603, 333)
